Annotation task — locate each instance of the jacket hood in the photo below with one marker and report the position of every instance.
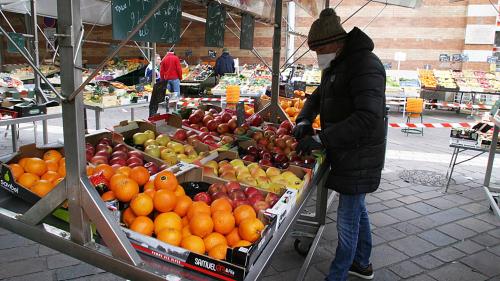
(356, 41)
(225, 55)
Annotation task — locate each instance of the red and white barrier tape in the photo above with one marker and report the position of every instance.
(211, 99)
(432, 125)
(448, 104)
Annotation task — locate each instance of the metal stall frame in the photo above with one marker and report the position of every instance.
(493, 192)
(84, 203)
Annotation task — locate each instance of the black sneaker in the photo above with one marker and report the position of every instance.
(364, 273)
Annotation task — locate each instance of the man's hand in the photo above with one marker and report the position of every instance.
(308, 144)
(302, 129)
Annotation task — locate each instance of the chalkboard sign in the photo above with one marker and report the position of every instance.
(212, 54)
(444, 57)
(20, 42)
(162, 27)
(215, 25)
(247, 32)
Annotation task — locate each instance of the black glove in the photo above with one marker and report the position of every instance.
(302, 129)
(307, 144)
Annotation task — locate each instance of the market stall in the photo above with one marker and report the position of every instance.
(160, 160)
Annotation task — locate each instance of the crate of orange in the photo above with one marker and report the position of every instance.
(217, 239)
(33, 172)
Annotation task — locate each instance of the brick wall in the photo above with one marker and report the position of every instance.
(436, 27)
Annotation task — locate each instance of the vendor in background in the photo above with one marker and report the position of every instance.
(224, 64)
(170, 78)
(351, 102)
(149, 70)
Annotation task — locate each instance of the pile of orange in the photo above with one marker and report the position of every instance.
(163, 210)
(40, 175)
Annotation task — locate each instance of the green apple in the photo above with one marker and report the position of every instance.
(152, 150)
(150, 142)
(140, 138)
(150, 134)
(169, 156)
(237, 162)
(163, 139)
(272, 171)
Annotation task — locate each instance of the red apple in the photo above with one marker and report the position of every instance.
(255, 120)
(204, 129)
(212, 125)
(103, 153)
(152, 167)
(119, 154)
(257, 135)
(135, 153)
(237, 194)
(203, 196)
(271, 198)
(280, 158)
(194, 119)
(218, 195)
(223, 128)
(260, 206)
(106, 141)
(180, 134)
(213, 111)
(116, 166)
(266, 162)
(280, 142)
(217, 187)
(105, 147)
(252, 150)
(233, 124)
(282, 132)
(206, 119)
(118, 160)
(199, 112)
(239, 202)
(226, 116)
(287, 125)
(120, 147)
(98, 159)
(134, 160)
(232, 186)
(250, 191)
(249, 158)
(227, 139)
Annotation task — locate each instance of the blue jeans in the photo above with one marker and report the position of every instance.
(174, 86)
(355, 239)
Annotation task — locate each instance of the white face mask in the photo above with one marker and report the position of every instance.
(324, 60)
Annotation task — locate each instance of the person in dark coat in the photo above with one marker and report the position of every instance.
(351, 103)
(224, 64)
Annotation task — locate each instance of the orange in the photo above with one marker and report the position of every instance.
(167, 220)
(185, 231)
(128, 217)
(90, 170)
(194, 244)
(50, 176)
(115, 179)
(142, 204)
(62, 160)
(214, 239)
(171, 236)
(140, 175)
(198, 207)
(107, 170)
(124, 170)
(224, 222)
(126, 190)
(250, 229)
(179, 191)
(52, 165)
(185, 221)
(62, 169)
(166, 180)
(57, 181)
(164, 200)
(183, 204)
(233, 237)
(150, 192)
(143, 225)
(201, 225)
(221, 204)
(242, 243)
(243, 212)
(42, 187)
(218, 252)
(108, 196)
(149, 185)
(22, 162)
(52, 155)
(35, 166)
(28, 180)
(16, 170)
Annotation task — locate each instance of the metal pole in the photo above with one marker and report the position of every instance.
(327, 4)
(153, 64)
(30, 62)
(491, 157)
(290, 42)
(142, 52)
(79, 43)
(276, 57)
(253, 51)
(110, 56)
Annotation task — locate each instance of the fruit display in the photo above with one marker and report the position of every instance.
(161, 208)
(26, 73)
(253, 81)
(427, 78)
(312, 76)
(118, 155)
(198, 73)
(8, 81)
(161, 146)
(114, 93)
(292, 108)
(39, 175)
(445, 79)
(252, 174)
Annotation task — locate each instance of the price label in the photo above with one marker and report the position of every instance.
(212, 54)
(444, 57)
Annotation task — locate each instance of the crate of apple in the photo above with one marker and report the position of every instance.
(274, 146)
(238, 195)
(117, 155)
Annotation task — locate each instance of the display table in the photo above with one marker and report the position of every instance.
(98, 109)
(52, 113)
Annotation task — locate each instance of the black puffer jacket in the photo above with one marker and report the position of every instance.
(351, 102)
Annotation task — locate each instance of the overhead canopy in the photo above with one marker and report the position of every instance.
(92, 11)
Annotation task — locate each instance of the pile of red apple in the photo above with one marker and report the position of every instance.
(118, 155)
(275, 147)
(238, 196)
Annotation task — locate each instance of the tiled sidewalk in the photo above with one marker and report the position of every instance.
(419, 233)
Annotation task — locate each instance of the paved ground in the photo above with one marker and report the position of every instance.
(419, 233)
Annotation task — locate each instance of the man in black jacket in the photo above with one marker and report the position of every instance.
(351, 102)
(224, 64)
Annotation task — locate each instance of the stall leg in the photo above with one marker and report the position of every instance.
(97, 120)
(132, 114)
(45, 132)
(451, 167)
(13, 129)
